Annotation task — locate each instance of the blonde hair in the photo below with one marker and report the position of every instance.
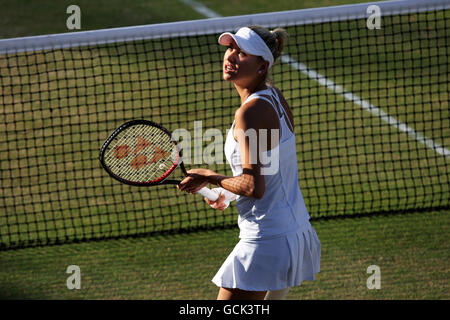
(275, 40)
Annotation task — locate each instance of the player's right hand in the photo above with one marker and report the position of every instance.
(219, 204)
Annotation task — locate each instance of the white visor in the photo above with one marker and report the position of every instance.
(249, 42)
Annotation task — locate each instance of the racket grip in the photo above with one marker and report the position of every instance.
(208, 193)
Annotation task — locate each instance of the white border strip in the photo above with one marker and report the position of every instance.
(215, 25)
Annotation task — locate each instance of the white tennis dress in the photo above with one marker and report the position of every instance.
(278, 247)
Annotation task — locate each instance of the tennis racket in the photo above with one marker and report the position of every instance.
(143, 153)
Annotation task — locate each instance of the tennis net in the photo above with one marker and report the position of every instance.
(370, 107)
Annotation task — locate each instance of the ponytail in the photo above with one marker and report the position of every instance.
(281, 38)
(275, 39)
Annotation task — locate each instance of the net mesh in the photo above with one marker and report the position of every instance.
(371, 120)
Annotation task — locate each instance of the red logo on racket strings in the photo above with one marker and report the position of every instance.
(141, 145)
(140, 160)
(121, 152)
(159, 154)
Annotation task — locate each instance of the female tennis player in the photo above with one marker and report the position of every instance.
(278, 247)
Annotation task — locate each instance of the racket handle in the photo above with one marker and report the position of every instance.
(208, 193)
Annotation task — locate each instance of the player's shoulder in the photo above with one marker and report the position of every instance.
(256, 114)
(256, 107)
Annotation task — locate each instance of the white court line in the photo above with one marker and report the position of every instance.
(365, 105)
(200, 8)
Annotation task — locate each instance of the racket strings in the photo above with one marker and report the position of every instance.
(141, 153)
